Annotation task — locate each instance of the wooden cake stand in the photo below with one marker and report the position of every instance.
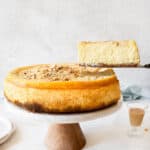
(64, 132)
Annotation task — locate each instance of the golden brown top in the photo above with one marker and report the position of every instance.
(63, 72)
(60, 76)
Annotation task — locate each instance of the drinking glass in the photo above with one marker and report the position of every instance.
(136, 112)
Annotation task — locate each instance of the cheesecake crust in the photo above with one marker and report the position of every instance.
(37, 108)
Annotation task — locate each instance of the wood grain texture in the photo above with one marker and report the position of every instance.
(65, 137)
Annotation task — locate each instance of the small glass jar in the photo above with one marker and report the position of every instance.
(136, 110)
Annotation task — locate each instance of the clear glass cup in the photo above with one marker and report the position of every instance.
(136, 110)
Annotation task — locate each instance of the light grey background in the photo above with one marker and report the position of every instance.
(45, 31)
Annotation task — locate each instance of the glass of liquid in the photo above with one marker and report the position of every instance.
(136, 112)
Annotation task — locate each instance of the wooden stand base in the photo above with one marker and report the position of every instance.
(65, 137)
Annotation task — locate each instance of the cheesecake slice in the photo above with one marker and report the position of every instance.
(109, 53)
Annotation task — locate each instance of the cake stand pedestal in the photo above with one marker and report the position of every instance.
(64, 132)
(65, 136)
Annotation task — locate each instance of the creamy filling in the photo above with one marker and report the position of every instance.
(64, 73)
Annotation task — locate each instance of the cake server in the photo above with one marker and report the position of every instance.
(146, 66)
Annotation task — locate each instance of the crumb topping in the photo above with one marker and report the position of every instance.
(60, 72)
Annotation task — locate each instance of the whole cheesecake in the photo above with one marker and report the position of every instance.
(109, 53)
(62, 88)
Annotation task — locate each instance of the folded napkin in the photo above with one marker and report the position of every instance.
(135, 92)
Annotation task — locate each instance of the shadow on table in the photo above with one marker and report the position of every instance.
(103, 136)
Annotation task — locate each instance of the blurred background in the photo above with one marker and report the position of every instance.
(47, 31)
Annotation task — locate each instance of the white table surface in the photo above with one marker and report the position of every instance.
(104, 133)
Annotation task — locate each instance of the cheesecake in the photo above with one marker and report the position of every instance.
(109, 53)
(62, 88)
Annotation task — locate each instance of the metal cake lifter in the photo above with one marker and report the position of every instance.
(146, 66)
